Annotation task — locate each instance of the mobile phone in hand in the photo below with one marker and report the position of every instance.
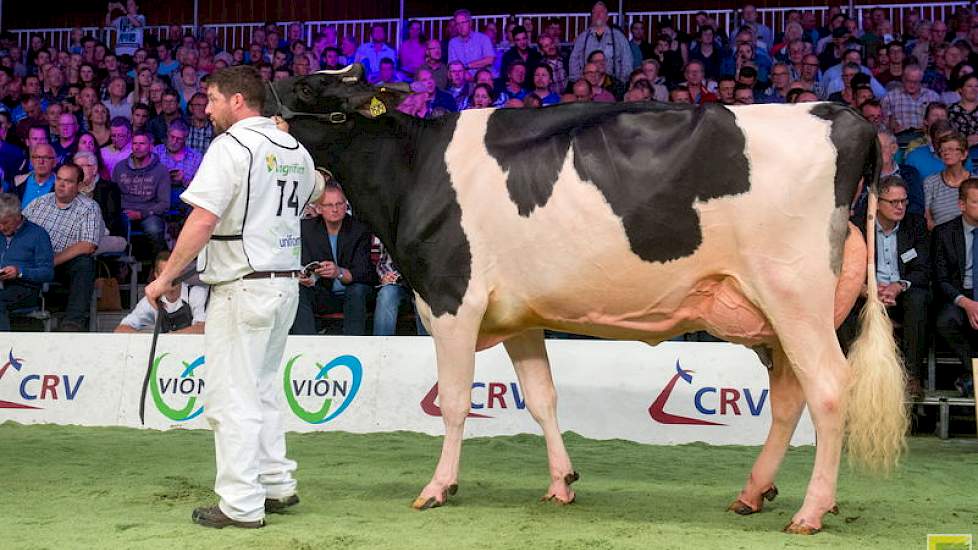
(310, 269)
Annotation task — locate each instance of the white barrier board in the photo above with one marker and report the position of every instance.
(676, 392)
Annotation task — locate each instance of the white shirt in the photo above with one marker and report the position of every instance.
(143, 316)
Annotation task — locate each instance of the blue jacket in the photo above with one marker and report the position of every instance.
(30, 250)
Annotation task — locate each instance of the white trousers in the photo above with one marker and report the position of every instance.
(244, 338)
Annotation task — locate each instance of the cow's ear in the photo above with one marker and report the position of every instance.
(380, 102)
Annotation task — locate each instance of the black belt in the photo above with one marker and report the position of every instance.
(271, 274)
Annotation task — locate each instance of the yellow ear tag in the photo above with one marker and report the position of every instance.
(377, 107)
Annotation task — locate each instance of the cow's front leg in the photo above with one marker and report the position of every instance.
(529, 355)
(455, 340)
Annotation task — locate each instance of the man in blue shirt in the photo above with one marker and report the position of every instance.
(41, 180)
(26, 259)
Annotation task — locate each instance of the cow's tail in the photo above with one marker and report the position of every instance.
(876, 415)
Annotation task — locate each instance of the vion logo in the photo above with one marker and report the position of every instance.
(176, 395)
(485, 395)
(709, 401)
(38, 387)
(320, 395)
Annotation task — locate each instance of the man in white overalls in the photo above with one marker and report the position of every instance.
(247, 198)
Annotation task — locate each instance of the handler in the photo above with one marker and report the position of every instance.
(247, 198)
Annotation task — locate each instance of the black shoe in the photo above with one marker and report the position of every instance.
(213, 517)
(278, 505)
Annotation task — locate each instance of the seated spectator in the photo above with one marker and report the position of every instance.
(934, 112)
(392, 293)
(67, 143)
(550, 49)
(181, 161)
(386, 74)
(904, 106)
(513, 85)
(725, 89)
(641, 90)
(145, 185)
(532, 101)
(608, 82)
(963, 115)
(541, 86)
(109, 199)
(582, 91)
(941, 189)
(470, 47)
(780, 79)
(31, 115)
(522, 51)
(201, 129)
(11, 156)
(75, 226)
(118, 102)
(371, 53)
(680, 94)
(343, 279)
(833, 76)
(431, 103)
(141, 115)
(708, 52)
(903, 275)
(481, 97)
(41, 180)
(98, 124)
(743, 95)
(893, 71)
(26, 260)
(433, 62)
(696, 84)
(650, 67)
(183, 308)
(159, 124)
(954, 252)
(120, 146)
(411, 54)
(458, 85)
(596, 79)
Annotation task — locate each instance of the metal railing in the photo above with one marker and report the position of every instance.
(238, 35)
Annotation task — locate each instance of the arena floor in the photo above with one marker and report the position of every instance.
(71, 487)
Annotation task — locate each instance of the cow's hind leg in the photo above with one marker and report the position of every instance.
(529, 355)
(455, 340)
(787, 401)
(822, 372)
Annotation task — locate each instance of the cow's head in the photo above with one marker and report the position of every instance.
(332, 96)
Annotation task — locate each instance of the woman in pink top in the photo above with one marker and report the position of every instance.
(411, 54)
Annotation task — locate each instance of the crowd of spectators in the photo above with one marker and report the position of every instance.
(126, 126)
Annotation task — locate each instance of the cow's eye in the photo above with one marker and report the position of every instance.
(304, 92)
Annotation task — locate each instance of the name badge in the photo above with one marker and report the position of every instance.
(908, 255)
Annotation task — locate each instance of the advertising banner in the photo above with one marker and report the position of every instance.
(673, 393)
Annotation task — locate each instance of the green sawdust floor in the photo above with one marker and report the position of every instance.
(115, 488)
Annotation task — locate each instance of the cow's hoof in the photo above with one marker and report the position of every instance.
(742, 508)
(558, 500)
(427, 503)
(801, 529)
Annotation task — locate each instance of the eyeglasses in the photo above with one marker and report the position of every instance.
(896, 202)
(947, 150)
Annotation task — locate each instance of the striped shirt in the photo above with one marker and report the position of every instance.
(80, 221)
(941, 199)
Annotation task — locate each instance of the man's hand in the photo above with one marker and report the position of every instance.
(134, 215)
(970, 307)
(306, 281)
(156, 289)
(9, 272)
(888, 293)
(328, 270)
(389, 278)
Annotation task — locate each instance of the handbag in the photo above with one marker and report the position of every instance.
(107, 290)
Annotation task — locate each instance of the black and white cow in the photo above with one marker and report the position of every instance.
(631, 221)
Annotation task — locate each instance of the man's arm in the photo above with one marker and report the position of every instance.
(80, 248)
(918, 268)
(576, 64)
(160, 206)
(196, 232)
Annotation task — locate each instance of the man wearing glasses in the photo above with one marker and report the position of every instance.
(471, 48)
(40, 181)
(903, 273)
(904, 107)
(342, 275)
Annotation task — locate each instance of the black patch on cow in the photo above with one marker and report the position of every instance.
(857, 149)
(651, 161)
(394, 175)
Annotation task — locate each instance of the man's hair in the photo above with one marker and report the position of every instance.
(179, 125)
(870, 102)
(889, 182)
(240, 79)
(142, 106)
(120, 122)
(546, 67)
(590, 56)
(956, 137)
(171, 92)
(934, 105)
(79, 173)
(387, 61)
(940, 127)
(44, 127)
(966, 185)
(161, 257)
(726, 78)
(9, 205)
(86, 155)
(519, 29)
(464, 12)
(143, 132)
